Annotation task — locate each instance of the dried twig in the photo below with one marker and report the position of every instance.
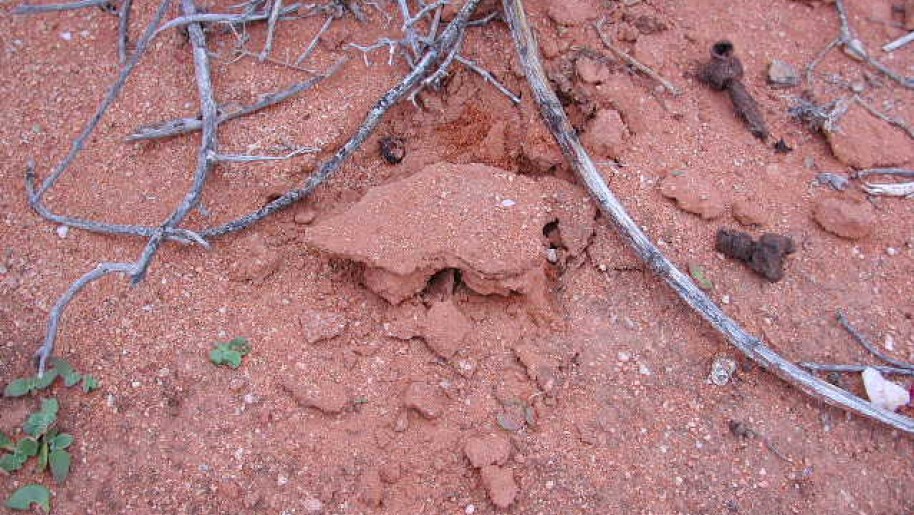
(579, 159)
(898, 43)
(488, 77)
(244, 158)
(317, 38)
(187, 125)
(49, 8)
(227, 19)
(897, 122)
(271, 29)
(868, 345)
(109, 99)
(634, 63)
(123, 31)
(373, 118)
(825, 367)
(897, 172)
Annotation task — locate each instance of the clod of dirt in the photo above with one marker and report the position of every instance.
(540, 368)
(487, 450)
(445, 329)
(573, 12)
(318, 326)
(591, 70)
(693, 194)
(605, 134)
(393, 149)
(850, 219)
(748, 212)
(305, 216)
(725, 71)
(782, 75)
(259, 264)
(327, 397)
(371, 490)
(484, 221)
(864, 141)
(765, 257)
(425, 399)
(500, 485)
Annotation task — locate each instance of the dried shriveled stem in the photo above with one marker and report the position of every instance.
(634, 63)
(577, 156)
(372, 119)
(826, 367)
(123, 31)
(870, 346)
(50, 8)
(271, 29)
(898, 43)
(488, 77)
(109, 99)
(187, 125)
(228, 19)
(244, 158)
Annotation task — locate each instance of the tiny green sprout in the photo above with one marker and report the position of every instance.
(25, 497)
(230, 353)
(90, 383)
(698, 273)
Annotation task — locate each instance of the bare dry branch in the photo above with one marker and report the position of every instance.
(634, 63)
(825, 367)
(271, 29)
(577, 156)
(50, 8)
(123, 31)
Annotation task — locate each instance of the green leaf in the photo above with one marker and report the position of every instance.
(43, 455)
(39, 423)
(6, 443)
(230, 353)
(12, 462)
(27, 447)
(66, 371)
(61, 441)
(23, 498)
(18, 388)
(60, 465)
(698, 273)
(46, 380)
(90, 384)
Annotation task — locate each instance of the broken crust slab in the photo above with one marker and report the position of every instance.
(484, 221)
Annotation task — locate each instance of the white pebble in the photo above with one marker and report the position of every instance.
(623, 356)
(552, 255)
(282, 480)
(882, 392)
(66, 36)
(62, 231)
(470, 509)
(507, 202)
(725, 299)
(889, 342)
(313, 505)
(644, 369)
(892, 251)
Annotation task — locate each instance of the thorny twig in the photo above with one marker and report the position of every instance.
(580, 160)
(634, 63)
(187, 125)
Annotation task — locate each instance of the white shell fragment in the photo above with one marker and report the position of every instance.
(722, 370)
(882, 392)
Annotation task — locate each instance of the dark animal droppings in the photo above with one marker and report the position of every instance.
(393, 149)
(765, 257)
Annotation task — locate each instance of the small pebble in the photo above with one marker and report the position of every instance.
(507, 203)
(725, 299)
(313, 505)
(722, 370)
(552, 255)
(282, 480)
(624, 357)
(644, 369)
(63, 231)
(892, 251)
(66, 36)
(470, 509)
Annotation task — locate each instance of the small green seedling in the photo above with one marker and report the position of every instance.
(230, 353)
(42, 441)
(61, 368)
(25, 497)
(698, 273)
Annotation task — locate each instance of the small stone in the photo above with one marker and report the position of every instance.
(782, 74)
(470, 509)
(500, 485)
(251, 398)
(507, 203)
(66, 36)
(573, 12)
(312, 505)
(424, 399)
(62, 231)
(864, 141)
(644, 369)
(393, 149)
(552, 255)
(282, 480)
(623, 357)
(850, 219)
(591, 70)
(445, 329)
(892, 251)
(722, 370)
(487, 450)
(693, 194)
(882, 392)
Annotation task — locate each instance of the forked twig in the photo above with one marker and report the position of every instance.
(577, 156)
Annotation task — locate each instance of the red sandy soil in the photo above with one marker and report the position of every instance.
(600, 404)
